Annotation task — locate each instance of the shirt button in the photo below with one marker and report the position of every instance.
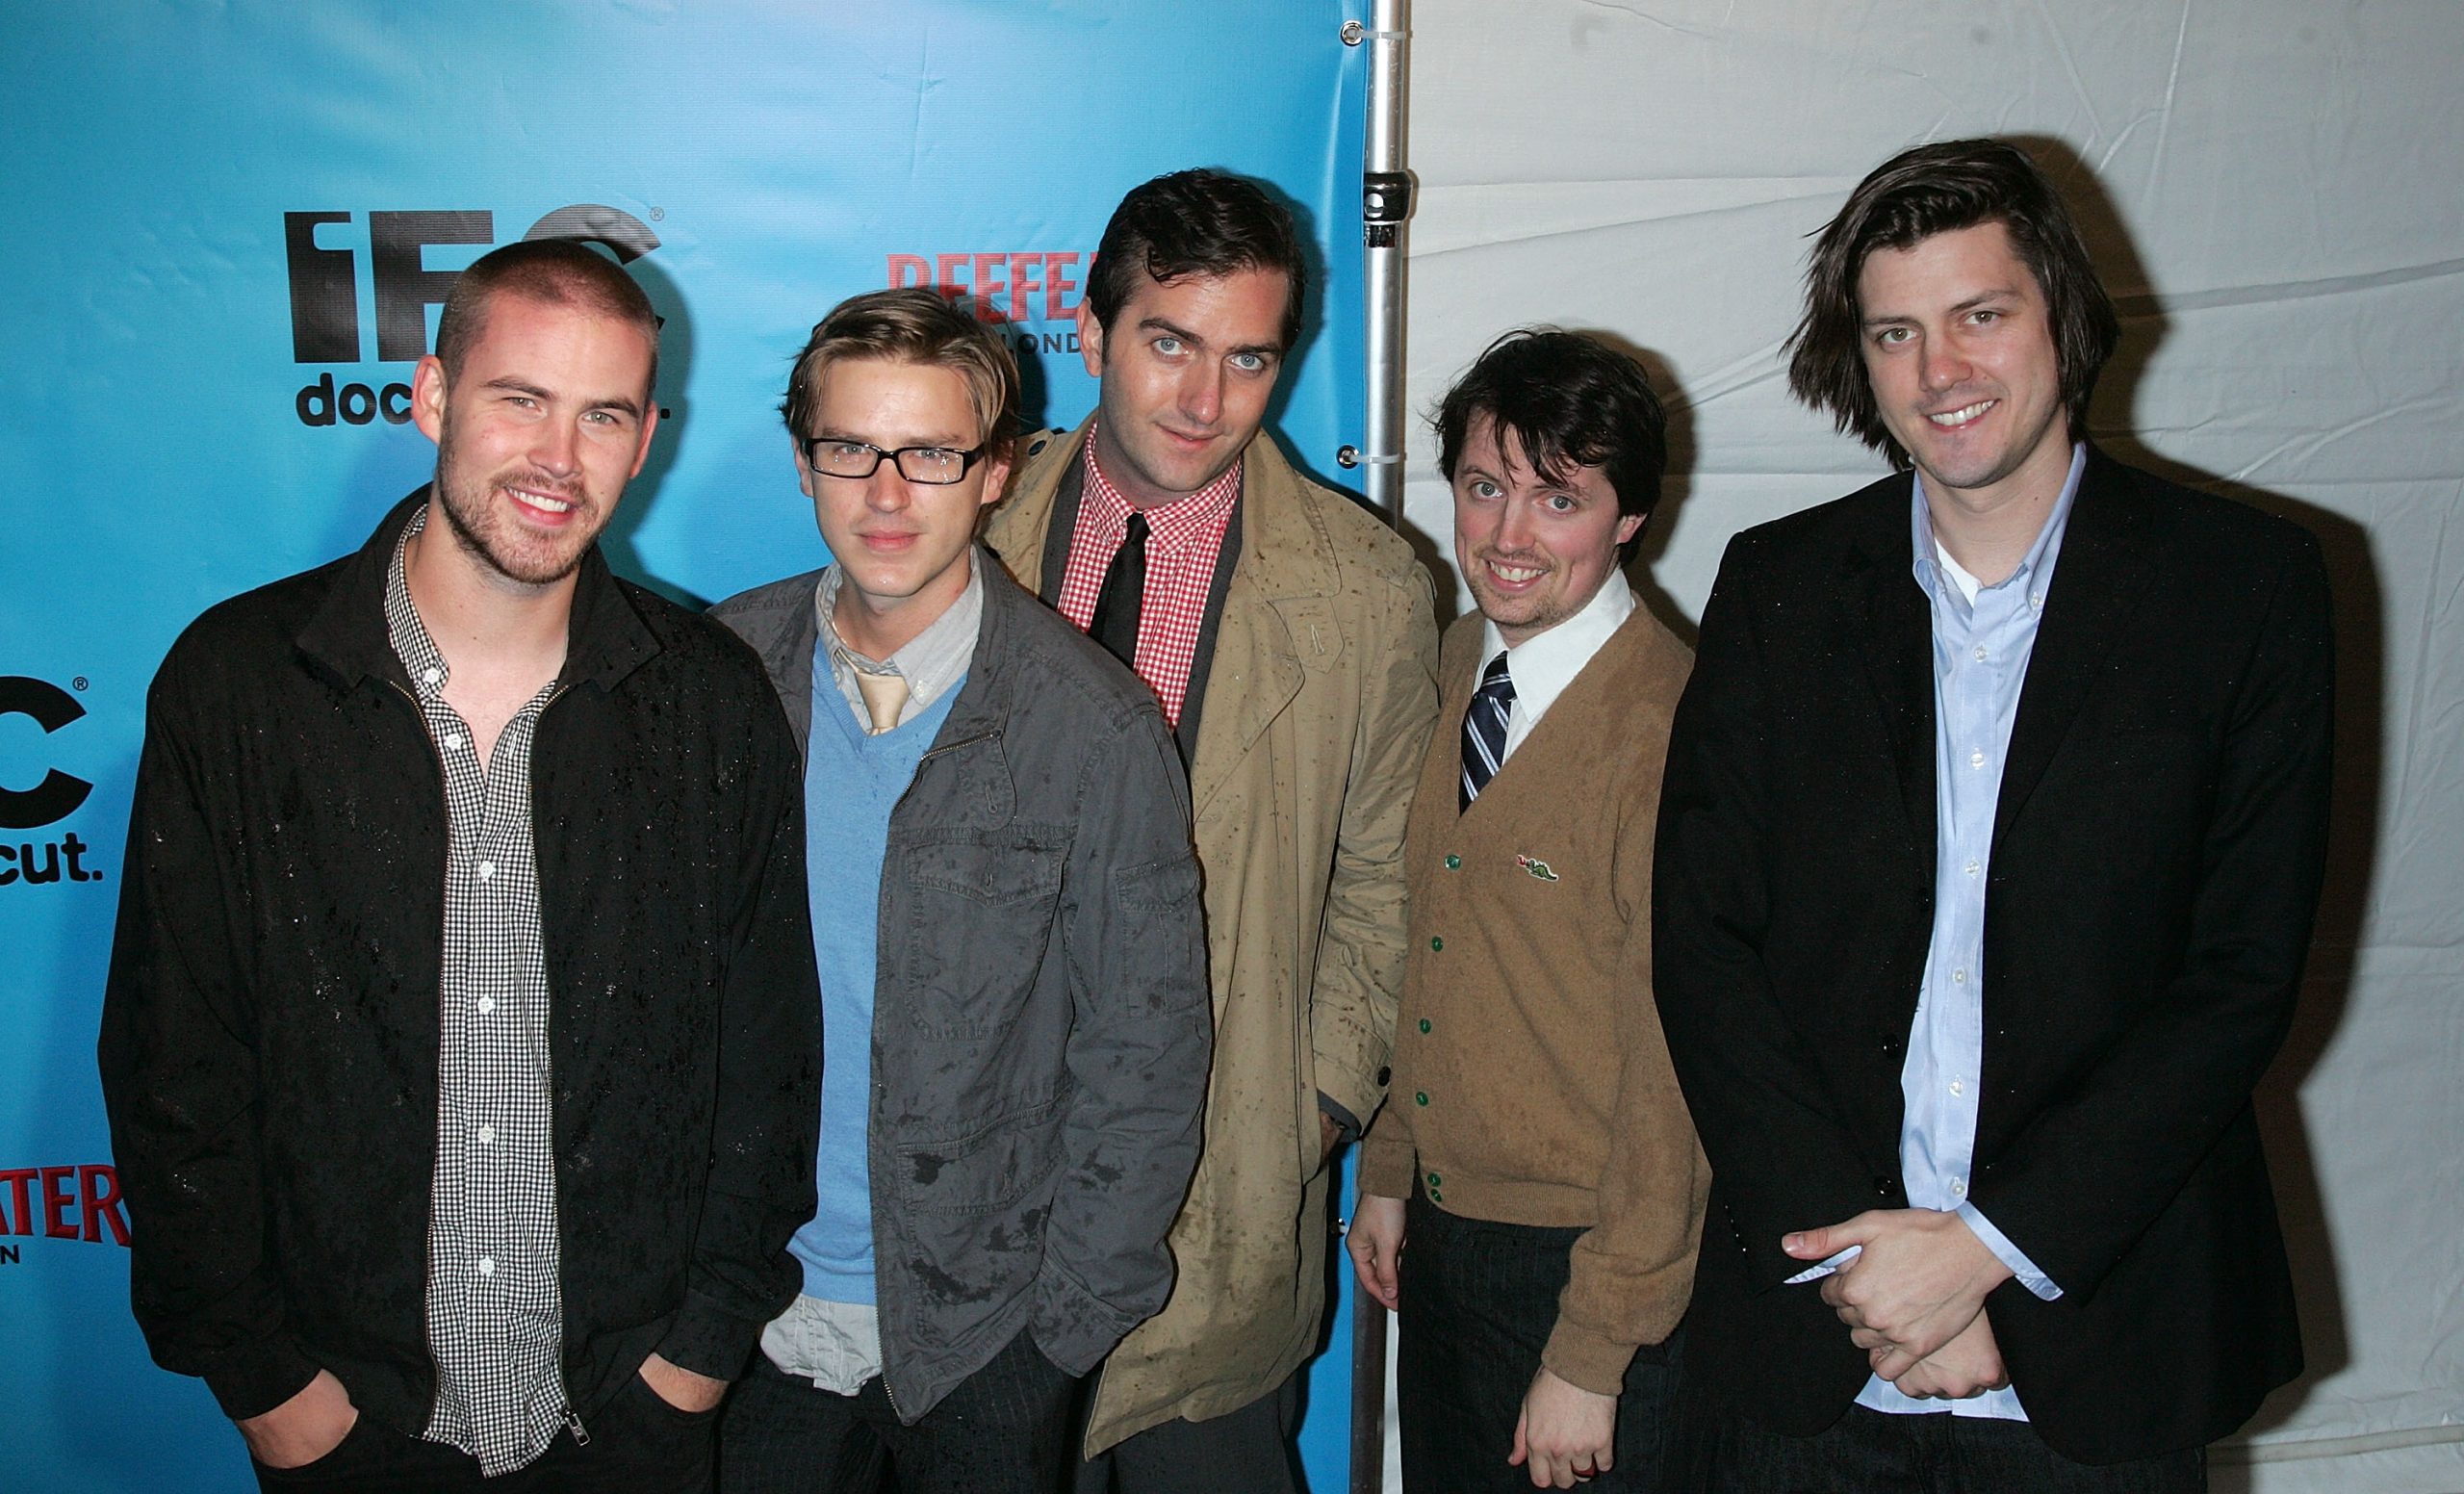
(432, 676)
(1974, 866)
(1454, 861)
(1435, 943)
(1980, 652)
(1424, 1025)
(453, 740)
(488, 1133)
(487, 1264)
(1976, 759)
(487, 869)
(1959, 1087)
(487, 1004)
(1959, 1187)
(1958, 977)
(1420, 1097)
(2036, 598)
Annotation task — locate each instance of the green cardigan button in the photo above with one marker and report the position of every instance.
(1454, 861)
(1420, 1097)
(1424, 1025)
(1435, 943)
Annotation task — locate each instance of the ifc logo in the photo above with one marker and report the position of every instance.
(53, 799)
(324, 293)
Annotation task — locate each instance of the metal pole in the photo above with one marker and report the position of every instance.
(1386, 207)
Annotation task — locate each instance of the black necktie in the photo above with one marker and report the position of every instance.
(1484, 729)
(1114, 623)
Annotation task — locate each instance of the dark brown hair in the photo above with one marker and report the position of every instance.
(1912, 197)
(1196, 222)
(1570, 402)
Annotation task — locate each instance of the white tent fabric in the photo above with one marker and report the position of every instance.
(2271, 188)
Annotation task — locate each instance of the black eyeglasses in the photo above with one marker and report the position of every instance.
(936, 466)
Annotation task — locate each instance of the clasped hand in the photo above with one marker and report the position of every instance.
(1913, 1291)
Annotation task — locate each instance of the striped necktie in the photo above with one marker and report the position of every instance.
(1484, 729)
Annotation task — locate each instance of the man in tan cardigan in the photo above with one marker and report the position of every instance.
(1555, 1186)
(1288, 635)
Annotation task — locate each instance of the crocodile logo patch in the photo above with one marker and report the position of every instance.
(1536, 867)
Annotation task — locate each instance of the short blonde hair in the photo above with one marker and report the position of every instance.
(912, 325)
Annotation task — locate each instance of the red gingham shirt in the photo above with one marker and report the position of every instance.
(1184, 539)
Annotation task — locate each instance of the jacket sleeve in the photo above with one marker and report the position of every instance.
(2163, 1092)
(1140, 1037)
(1632, 1273)
(1359, 975)
(179, 1067)
(767, 1111)
(1387, 1154)
(1781, 1158)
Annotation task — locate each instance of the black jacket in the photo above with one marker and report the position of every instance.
(2157, 853)
(270, 1027)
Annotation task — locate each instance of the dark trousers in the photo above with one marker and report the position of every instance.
(638, 1443)
(1004, 1431)
(1479, 1299)
(1727, 1453)
(1250, 1451)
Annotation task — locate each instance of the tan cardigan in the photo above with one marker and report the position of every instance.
(1531, 1081)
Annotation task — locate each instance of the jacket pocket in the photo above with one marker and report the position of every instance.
(995, 874)
(979, 917)
(991, 1167)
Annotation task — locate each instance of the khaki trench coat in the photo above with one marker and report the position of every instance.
(1316, 714)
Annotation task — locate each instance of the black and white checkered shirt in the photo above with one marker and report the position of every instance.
(494, 1313)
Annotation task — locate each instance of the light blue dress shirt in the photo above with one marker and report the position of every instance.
(1983, 637)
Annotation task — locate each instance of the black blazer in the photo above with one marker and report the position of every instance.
(2157, 853)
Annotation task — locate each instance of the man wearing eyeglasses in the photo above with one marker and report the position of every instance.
(1004, 911)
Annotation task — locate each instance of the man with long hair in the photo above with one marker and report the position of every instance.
(1993, 826)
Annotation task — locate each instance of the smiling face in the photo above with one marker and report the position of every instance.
(1959, 350)
(1186, 369)
(1533, 551)
(537, 433)
(901, 547)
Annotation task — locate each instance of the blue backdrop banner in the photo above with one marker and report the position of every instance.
(233, 224)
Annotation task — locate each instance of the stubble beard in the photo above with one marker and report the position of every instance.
(479, 533)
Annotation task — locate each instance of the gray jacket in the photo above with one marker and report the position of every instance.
(1041, 1025)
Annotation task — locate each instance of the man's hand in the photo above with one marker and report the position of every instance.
(1921, 1277)
(304, 1428)
(1566, 1433)
(1968, 1365)
(1375, 1241)
(682, 1388)
(1329, 1137)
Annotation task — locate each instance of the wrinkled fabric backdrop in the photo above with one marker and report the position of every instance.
(2271, 189)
